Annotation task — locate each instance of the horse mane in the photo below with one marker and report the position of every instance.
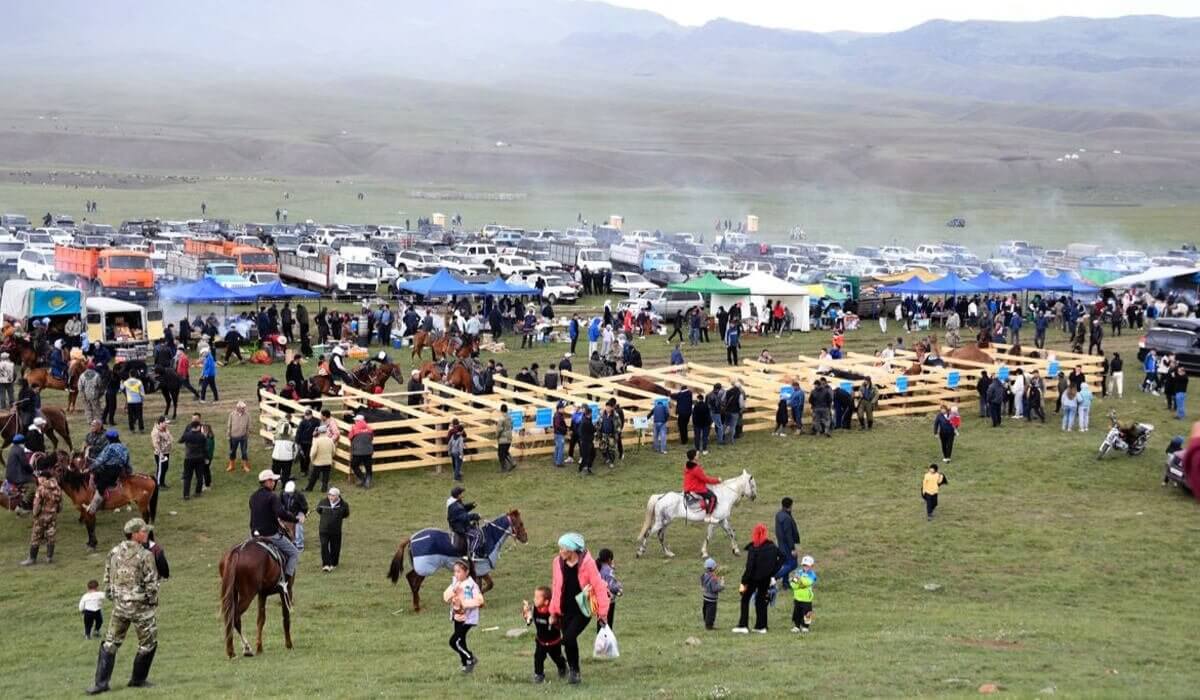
(72, 479)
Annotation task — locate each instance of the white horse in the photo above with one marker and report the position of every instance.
(662, 508)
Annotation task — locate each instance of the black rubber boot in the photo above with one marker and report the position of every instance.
(141, 669)
(49, 554)
(32, 559)
(104, 669)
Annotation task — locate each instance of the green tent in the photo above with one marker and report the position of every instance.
(708, 284)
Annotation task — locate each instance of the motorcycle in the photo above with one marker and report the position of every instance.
(1131, 439)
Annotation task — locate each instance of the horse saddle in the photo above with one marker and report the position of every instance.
(459, 542)
(270, 548)
(693, 500)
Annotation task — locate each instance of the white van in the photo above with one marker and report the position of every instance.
(129, 328)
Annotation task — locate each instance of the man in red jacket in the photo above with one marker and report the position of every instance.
(182, 367)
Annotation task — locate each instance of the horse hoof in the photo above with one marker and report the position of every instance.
(247, 653)
(669, 555)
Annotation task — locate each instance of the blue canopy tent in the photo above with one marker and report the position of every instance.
(1035, 281)
(278, 290)
(203, 291)
(950, 284)
(440, 284)
(990, 284)
(499, 287)
(913, 286)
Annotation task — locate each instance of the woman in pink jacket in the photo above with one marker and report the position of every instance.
(573, 572)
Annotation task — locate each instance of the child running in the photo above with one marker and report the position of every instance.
(465, 599)
(802, 582)
(549, 636)
(91, 605)
(696, 482)
(711, 584)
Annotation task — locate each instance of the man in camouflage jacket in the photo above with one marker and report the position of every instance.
(47, 502)
(131, 583)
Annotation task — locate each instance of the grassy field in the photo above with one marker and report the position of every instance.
(1058, 573)
(1053, 218)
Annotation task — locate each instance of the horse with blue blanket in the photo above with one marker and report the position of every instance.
(433, 549)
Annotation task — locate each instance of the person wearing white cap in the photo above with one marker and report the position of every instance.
(35, 439)
(802, 581)
(295, 503)
(266, 511)
(333, 510)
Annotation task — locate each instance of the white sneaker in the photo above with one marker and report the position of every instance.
(804, 630)
(760, 631)
(795, 629)
(740, 630)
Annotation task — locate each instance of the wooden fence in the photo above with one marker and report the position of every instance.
(414, 436)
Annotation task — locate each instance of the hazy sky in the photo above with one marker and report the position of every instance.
(891, 15)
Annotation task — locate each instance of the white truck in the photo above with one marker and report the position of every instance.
(330, 273)
(643, 257)
(580, 258)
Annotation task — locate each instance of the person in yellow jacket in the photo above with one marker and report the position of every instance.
(802, 582)
(931, 483)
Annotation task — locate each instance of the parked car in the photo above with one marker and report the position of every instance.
(36, 264)
(509, 265)
(630, 283)
(416, 261)
(666, 302)
(36, 239)
(1180, 336)
(559, 288)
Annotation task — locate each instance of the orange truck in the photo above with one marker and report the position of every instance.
(109, 272)
(248, 258)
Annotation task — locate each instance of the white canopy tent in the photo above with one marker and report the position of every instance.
(762, 287)
(1154, 274)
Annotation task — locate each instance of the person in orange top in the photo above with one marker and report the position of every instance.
(697, 482)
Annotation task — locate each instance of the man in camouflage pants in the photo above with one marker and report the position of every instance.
(46, 504)
(131, 583)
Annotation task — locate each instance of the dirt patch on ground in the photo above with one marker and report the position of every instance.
(993, 644)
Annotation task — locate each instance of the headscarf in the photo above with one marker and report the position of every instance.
(572, 541)
(759, 535)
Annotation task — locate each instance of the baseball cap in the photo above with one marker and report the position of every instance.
(710, 564)
(267, 474)
(807, 561)
(134, 525)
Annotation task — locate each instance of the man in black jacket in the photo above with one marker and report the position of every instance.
(995, 399)
(464, 525)
(683, 412)
(195, 455)
(333, 510)
(843, 404)
(787, 536)
(305, 432)
(265, 513)
(821, 400)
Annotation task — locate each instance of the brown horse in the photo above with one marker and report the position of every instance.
(443, 346)
(136, 489)
(23, 351)
(56, 426)
(971, 352)
(645, 384)
(247, 572)
(40, 377)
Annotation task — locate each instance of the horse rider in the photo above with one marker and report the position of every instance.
(108, 467)
(266, 511)
(131, 582)
(337, 366)
(18, 473)
(471, 334)
(58, 361)
(464, 524)
(95, 441)
(35, 439)
(696, 482)
(29, 404)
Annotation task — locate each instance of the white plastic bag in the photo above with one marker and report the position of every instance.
(606, 644)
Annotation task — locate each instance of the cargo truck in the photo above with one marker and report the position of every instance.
(221, 270)
(576, 257)
(247, 258)
(328, 272)
(108, 272)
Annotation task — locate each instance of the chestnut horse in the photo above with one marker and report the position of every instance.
(41, 377)
(248, 571)
(458, 376)
(76, 482)
(442, 346)
(56, 425)
(645, 384)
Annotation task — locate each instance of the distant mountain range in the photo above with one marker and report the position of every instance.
(1140, 62)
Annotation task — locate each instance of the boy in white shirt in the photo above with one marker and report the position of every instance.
(91, 605)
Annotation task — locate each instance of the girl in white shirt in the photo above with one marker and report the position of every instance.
(465, 599)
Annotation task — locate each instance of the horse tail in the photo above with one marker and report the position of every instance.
(154, 502)
(229, 603)
(650, 505)
(397, 566)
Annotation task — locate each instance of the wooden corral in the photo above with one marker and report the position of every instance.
(413, 436)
